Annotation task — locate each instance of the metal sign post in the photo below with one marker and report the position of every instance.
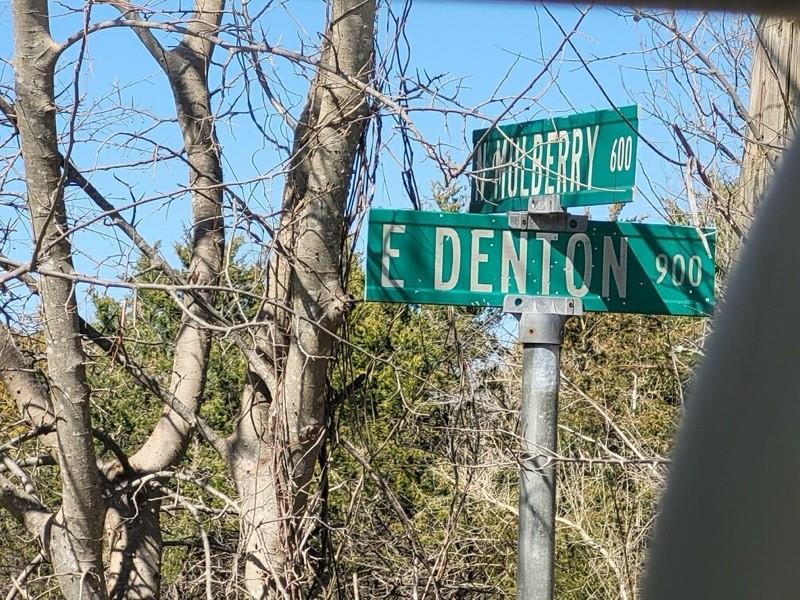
(541, 332)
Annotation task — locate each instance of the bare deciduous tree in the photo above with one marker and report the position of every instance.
(273, 449)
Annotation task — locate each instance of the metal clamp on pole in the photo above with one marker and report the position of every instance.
(545, 214)
(538, 316)
(541, 331)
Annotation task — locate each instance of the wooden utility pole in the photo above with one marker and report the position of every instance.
(774, 100)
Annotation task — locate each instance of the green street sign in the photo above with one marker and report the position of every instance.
(472, 259)
(585, 159)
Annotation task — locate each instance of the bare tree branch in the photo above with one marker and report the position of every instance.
(23, 507)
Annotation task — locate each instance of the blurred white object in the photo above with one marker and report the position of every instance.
(729, 523)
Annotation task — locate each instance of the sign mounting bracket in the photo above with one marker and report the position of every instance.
(533, 328)
(545, 214)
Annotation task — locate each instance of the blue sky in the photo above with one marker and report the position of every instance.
(480, 49)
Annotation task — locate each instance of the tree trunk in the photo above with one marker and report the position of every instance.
(277, 442)
(774, 99)
(186, 67)
(74, 536)
(136, 544)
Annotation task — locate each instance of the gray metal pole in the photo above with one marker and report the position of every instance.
(541, 362)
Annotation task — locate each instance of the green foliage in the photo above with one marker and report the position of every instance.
(622, 396)
(413, 362)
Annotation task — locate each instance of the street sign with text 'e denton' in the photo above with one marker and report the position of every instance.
(473, 259)
(586, 159)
